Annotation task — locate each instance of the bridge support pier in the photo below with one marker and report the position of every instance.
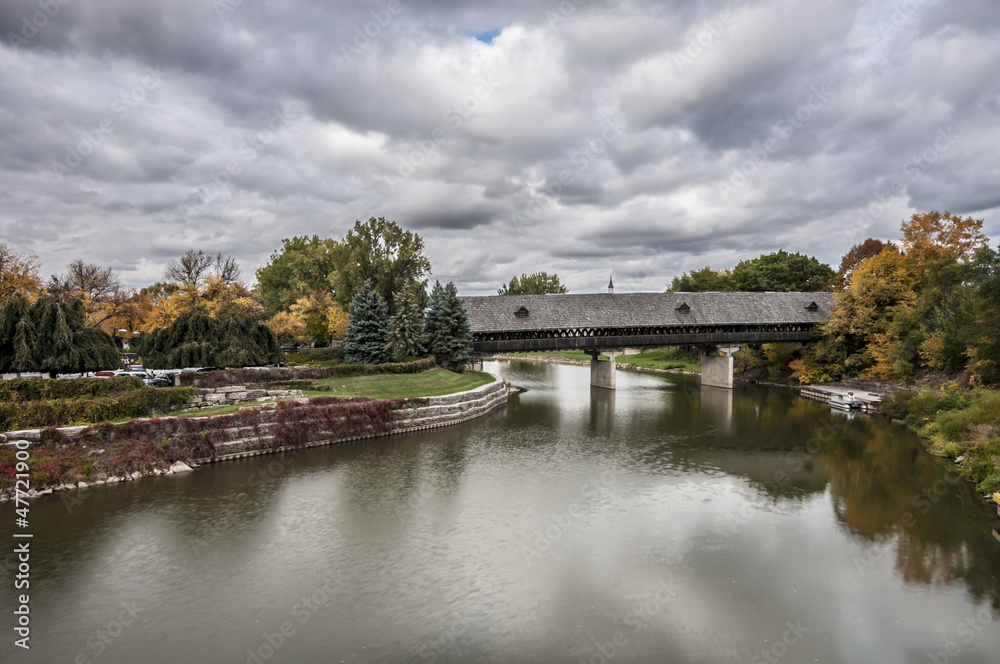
(717, 365)
(602, 374)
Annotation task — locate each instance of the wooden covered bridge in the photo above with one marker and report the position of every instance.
(609, 322)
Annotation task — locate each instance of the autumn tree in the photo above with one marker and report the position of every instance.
(536, 283)
(99, 288)
(18, 274)
(51, 335)
(857, 255)
(303, 267)
(287, 328)
(378, 251)
(936, 236)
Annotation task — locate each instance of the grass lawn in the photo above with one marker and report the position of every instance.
(400, 386)
(666, 357)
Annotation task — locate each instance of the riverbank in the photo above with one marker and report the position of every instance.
(620, 362)
(78, 457)
(956, 424)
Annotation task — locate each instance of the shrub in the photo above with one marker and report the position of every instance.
(142, 402)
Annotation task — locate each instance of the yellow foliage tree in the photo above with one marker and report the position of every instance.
(936, 236)
(18, 274)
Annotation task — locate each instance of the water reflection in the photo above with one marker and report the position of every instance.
(666, 521)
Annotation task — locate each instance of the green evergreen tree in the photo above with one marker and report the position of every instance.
(51, 335)
(365, 342)
(195, 339)
(451, 341)
(406, 326)
(433, 313)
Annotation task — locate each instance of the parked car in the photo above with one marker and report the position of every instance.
(159, 381)
(105, 374)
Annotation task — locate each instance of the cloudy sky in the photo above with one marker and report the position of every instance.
(578, 137)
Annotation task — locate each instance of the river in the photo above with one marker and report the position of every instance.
(661, 522)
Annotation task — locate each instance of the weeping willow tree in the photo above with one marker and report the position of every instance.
(51, 336)
(196, 339)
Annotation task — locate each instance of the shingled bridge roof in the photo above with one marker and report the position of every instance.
(498, 313)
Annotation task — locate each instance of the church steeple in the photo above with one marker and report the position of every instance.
(611, 283)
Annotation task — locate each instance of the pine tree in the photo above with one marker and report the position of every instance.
(366, 328)
(406, 326)
(51, 335)
(452, 339)
(433, 313)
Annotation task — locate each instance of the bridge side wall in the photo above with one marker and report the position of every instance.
(637, 341)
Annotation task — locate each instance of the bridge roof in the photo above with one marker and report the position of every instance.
(496, 313)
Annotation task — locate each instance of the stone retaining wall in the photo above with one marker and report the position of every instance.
(439, 411)
(232, 395)
(256, 435)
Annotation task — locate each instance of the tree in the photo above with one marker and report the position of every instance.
(451, 339)
(51, 335)
(433, 314)
(324, 321)
(857, 255)
(287, 328)
(18, 274)
(195, 339)
(783, 272)
(380, 252)
(537, 283)
(303, 267)
(982, 334)
(406, 326)
(936, 236)
(207, 283)
(705, 280)
(104, 298)
(366, 328)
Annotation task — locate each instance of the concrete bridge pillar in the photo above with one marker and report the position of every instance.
(602, 374)
(717, 365)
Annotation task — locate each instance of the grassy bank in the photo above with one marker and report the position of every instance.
(667, 357)
(956, 424)
(435, 382)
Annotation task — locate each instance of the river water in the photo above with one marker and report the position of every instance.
(661, 522)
